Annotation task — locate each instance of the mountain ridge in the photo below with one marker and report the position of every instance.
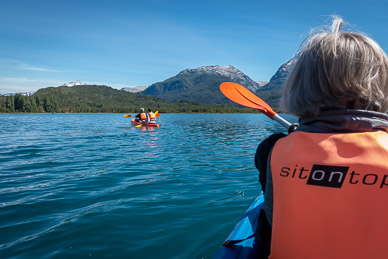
(192, 88)
(71, 84)
(271, 92)
(200, 85)
(227, 71)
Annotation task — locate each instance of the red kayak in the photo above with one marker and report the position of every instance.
(147, 124)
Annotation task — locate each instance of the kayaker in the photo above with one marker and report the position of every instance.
(141, 116)
(326, 183)
(151, 118)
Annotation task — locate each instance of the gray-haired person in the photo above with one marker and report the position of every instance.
(326, 183)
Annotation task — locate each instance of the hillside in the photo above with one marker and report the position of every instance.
(96, 98)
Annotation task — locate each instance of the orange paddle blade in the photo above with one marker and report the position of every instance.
(127, 115)
(239, 94)
(157, 114)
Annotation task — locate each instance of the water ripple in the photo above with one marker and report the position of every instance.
(92, 185)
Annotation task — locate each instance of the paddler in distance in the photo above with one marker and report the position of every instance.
(151, 117)
(141, 116)
(326, 183)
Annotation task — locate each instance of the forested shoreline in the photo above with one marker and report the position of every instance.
(104, 99)
(50, 104)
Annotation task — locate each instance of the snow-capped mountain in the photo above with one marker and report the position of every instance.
(228, 71)
(200, 85)
(70, 84)
(135, 89)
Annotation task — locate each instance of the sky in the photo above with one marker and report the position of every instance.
(131, 43)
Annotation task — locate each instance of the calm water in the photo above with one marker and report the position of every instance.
(92, 185)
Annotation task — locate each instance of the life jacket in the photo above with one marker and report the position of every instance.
(143, 116)
(330, 195)
(152, 116)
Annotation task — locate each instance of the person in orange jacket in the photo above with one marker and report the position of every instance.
(141, 116)
(151, 117)
(326, 183)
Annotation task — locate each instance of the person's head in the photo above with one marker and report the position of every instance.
(149, 110)
(141, 109)
(337, 70)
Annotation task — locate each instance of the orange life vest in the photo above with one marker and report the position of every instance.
(330, 195)
(143, 116)
(152, 116)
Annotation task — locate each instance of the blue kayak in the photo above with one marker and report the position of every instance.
(241, 242)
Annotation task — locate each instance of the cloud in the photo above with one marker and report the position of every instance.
(14, 64)
(34, 68)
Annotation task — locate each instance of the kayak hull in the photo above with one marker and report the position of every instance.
(241, 242)
(136, 123)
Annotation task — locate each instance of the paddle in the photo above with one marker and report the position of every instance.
(157, 114)
(239, 94)
(127, 115)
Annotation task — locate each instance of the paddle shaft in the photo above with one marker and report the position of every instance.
(282, 121)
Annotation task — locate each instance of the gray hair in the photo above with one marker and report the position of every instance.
(337, 70)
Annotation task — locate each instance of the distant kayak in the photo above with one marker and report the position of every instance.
(148, 124)
(241, 242)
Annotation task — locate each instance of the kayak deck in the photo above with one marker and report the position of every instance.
(241, 242)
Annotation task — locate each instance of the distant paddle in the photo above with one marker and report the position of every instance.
(127, 115)
(239, 94)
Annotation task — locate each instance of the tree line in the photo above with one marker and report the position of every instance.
(33, 104)
(57, 104)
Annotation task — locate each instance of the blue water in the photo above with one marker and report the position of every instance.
(92, 185)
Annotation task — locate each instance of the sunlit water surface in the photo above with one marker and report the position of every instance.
(93, 185)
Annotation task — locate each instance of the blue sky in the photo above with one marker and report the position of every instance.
(139, 42)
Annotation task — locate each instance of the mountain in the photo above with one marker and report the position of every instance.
(227, 71)
(191, 90)
(276, 82)
(200, 85)
(262, 83)
(71, 84)
(135, 89)
(272, 91)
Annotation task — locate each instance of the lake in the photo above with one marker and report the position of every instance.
(93, 185)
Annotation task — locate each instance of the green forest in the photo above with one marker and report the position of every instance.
(102, 99)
